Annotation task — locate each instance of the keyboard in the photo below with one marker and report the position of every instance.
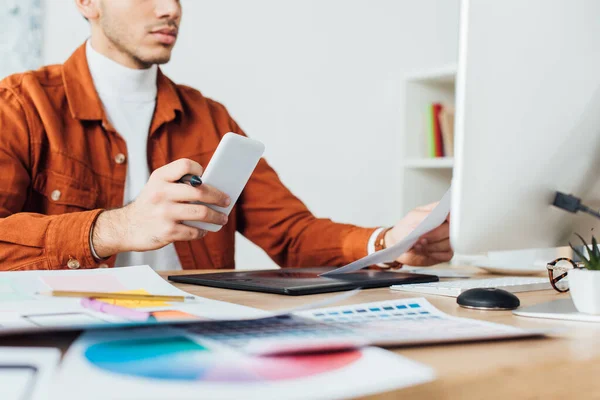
(456, 287)
(277, 335)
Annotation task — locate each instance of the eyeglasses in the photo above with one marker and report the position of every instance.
(558, 270)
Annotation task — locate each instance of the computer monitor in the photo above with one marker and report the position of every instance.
(527, 122)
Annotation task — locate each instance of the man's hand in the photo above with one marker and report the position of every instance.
(155, 218)
(432, 248)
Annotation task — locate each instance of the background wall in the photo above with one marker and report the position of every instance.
(21, 39)
(318, 81)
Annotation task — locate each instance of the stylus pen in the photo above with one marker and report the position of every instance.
(111, 309)
(190, 179)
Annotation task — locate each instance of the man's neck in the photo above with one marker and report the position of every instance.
(114, 80)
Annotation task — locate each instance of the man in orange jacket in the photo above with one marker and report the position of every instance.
(91, 150)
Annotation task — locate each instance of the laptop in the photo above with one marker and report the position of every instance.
(301, 281)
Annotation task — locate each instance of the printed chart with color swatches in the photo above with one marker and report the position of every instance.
(406, 321)
(408, 311)
(179, 358)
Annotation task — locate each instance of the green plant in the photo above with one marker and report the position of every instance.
(592, 262)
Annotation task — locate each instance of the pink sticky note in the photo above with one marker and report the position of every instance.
(89, 283)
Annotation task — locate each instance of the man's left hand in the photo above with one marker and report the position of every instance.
(432, 248)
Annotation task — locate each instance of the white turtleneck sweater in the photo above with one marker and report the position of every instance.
(129, 98)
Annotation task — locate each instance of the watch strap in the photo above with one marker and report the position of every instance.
(381, 245)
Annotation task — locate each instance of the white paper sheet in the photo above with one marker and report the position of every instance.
(168, 363)
(26, 372)
(21, 309)
(437, 216)
(557, 309)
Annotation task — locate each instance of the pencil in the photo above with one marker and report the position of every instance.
(119, 296)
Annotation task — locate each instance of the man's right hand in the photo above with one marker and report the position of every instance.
(154, 218)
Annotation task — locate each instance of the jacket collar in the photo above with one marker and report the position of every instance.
(84, 102)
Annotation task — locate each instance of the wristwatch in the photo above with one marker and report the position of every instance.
(380, 245)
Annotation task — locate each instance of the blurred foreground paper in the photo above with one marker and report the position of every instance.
(26, 373)
(168, 363)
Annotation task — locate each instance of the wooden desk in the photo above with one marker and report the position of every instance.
(564, 366)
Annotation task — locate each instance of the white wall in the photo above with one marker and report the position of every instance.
(318, 81)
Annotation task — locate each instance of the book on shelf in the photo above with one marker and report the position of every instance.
(446, 118)
(441, 130)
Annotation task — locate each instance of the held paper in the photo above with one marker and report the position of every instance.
(437, 216)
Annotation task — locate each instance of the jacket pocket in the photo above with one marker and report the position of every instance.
(61, 194)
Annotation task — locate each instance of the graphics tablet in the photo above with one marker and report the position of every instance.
(299, 281)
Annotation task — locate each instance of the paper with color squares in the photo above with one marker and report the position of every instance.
(437, 217)
(414, 321)
(169, 363)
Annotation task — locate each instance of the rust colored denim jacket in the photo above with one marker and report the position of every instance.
(61, 164)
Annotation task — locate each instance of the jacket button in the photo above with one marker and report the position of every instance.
(55, 195)
(73, 263)
(120, 158)
(103, 265)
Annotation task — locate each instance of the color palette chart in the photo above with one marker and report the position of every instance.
(180, 358)
(404, 310)
(409, 321)
(164, 362)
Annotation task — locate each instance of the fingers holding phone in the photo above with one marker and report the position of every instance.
(155, 218)
(205, 194)
(167, 211)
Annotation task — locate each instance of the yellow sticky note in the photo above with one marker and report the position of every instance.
(136, 303)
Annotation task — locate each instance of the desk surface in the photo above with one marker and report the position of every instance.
(566, 364)
(555, 367)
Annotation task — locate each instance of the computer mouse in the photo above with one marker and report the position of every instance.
(488, 299)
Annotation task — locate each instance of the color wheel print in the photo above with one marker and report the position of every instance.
(182, 359)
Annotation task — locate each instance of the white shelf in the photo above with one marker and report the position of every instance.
(431, 163)
(445, 75)
(424, 179)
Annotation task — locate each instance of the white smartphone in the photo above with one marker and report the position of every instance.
(229, 170)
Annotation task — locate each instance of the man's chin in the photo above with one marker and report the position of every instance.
(155, 58)
(161, 60)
